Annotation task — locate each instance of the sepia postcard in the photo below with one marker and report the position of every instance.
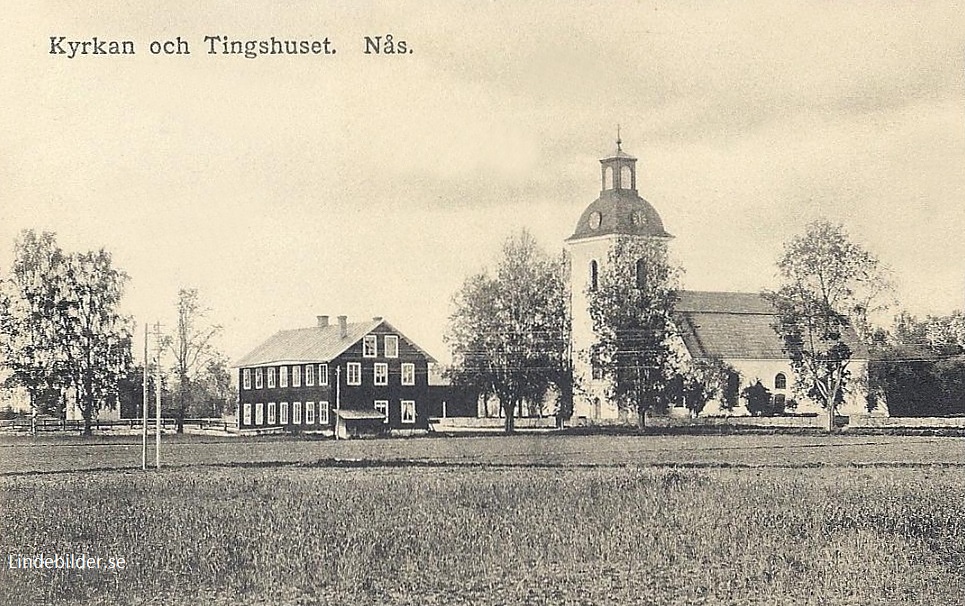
(452, 302)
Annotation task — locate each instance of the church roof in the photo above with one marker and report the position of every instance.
(723, 302)
(618, 153)
(737, 325)
(621, 211)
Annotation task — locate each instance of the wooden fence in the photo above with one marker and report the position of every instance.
(78, 425)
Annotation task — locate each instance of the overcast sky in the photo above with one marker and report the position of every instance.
(285, 187)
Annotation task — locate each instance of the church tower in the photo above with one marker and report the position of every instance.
(619, 211)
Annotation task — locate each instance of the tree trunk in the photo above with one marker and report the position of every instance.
(182, 403)
(832, 400)
(510, 426)
(86, 402)
(641, 410)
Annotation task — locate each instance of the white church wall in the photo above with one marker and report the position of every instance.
(855, 401)
(591, 400)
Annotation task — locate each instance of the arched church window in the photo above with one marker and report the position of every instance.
(626, 178)
(608, 178)
(641, 274)
(594, 274)
(780, 381)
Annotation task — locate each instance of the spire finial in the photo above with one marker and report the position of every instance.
(619, 142)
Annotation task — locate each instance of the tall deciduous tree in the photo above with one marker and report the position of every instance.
(31, 314)
(829, 284)
(509, 331)
(62, 327)
(631, 310)
(193, 349)
(97, 345)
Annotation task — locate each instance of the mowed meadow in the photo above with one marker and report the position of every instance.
(537, 531)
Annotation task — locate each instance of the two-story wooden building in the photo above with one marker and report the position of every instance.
(350, 378)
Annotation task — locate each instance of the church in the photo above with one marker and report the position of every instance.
(734, 327)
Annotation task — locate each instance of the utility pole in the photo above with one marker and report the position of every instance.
(144, 395)
(157, 398)
(338, 405)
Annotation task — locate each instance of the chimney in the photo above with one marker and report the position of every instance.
(376, 318)
(322, 321)
(343, 326)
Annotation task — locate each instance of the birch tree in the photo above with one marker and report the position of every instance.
(61, 325)
(632, 313)
(508, 332)
(97, 345)
(192, 346)
(31, 337)
(829, 284)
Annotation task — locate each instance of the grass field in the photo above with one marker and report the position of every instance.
(74, 453)
(760, 519)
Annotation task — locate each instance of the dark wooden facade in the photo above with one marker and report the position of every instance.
(339, 391)
(453, 401)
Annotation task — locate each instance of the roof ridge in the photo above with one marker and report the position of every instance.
(722, 292)
(317, 343)
(329, 326)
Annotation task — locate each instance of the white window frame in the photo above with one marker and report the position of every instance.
(283, 376)
(260, 413)
(271, 378)
(323, 374)
(391, 352)
(784, 378)
(408, 373)
(383, 407)
(309, 375)
(259, 378)
(246, 413)
(296, 376)
(323, 413)
(309, 413)
(370, 346)
(353, 370)
(272, 413)
(380, 378)
(296, 413)
(246, 378)
(283, 413)
(406, 404)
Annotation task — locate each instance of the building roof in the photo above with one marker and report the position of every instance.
(618, 153)
(736, 325)
(315, 344)
(723, 302)
(622, 211)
